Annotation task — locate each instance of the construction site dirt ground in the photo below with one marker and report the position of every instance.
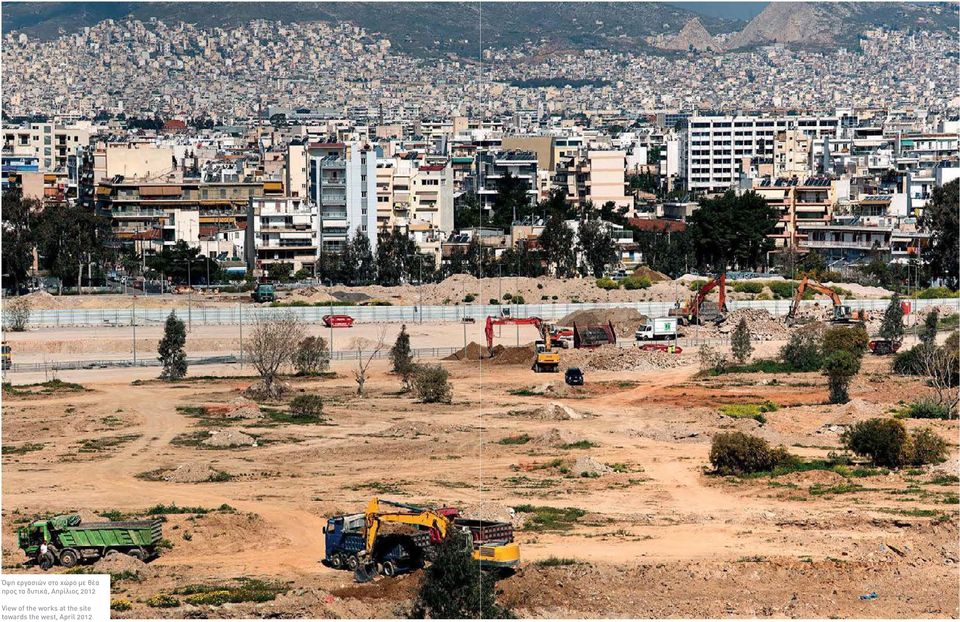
(656, 536)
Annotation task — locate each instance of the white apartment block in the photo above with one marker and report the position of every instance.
(606, 178)
(715, 149)
(50, 143)
(342, 183)
(281, 230)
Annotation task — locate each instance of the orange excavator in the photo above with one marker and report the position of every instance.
(698, 309)
(547, 359)
(842, 314)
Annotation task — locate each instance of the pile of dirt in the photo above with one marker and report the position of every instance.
(512, 355)
(762, 325)
(555, 437)
(653, 275)
(191, 473)
(229, 438)
(115, 562)
(812, 478)
(488, 511)
(43, 300)
(240, 408)
(558, 412)
(587, 466)
(625, 321)
(473, 352)
(413, 429)
(615, 358)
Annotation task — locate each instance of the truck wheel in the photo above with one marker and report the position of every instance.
(69, 558)
(352, 562)
(336, 561)
(137, 554)
(389, 569)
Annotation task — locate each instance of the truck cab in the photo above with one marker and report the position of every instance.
(343, 539)
(264, 293)
(30, 538)
(657, 328)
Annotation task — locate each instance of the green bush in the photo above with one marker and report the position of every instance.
(734, 453)
(937, 292)
(312, 356)
(696, 284)
(748, 287)
(782, 289)
(884, 441)
(839, 367)
(803, 352)
(307, 406)
(910, 362)
(163, 601)
(507, 296)
(852, 339)
(925, 409)
(493, 301)
(431, 383)
(519, 300)
(927, 447)
(607, 283)
(469, 298)
(636, 282)
(119, 604)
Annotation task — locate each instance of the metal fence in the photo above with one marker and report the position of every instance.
(336, 355)
(246, 313)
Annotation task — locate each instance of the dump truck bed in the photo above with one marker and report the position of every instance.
(108, 534)
(487, 531)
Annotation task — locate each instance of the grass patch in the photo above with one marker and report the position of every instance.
(93, 445)
(382, 488)
(766, 366)
(584, 444)
(19, 450)
(119, 604)
(173, 508)
(155, 475)
(190, 439)
(283, 416)
(944, 480)
(44, 388)
(918, 512)
(924, 409)
(522, 481)
(547, 518)
(552, 561)
(519, 439)
(162, 601)
(749, 411)
(751, 559)
(246, 590)
(524, 392)
(818, 490)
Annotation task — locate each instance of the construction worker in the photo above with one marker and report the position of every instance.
(46, 556)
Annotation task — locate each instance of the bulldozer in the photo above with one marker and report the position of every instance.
(546, 358)
(842, 314)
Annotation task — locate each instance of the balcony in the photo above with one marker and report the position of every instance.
(861, 245)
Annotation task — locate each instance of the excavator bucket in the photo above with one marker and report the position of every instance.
(365, 572)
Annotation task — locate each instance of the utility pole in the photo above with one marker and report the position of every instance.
(240, 310)
(134, 330)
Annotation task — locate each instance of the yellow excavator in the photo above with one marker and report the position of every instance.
(842, 314)
(491, 542)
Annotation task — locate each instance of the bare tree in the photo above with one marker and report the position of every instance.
(942, 367)
(272, 345)
(16, 313)
(370, 349)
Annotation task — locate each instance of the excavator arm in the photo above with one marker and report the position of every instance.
(817, 287)
(417, 517)
(501, 321)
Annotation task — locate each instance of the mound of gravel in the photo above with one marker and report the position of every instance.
(191, 473)
(762, 325)
(488, 511)
(555, 437)
(558, 412)
(625, 321)
(615, 358)
(115, 562)
(588, 466)
(229, 438)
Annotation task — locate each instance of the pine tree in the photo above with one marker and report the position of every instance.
(401, 357)
(740, 342)
(928, 335)
(454, 586)
(363, 256)
(892, 326)
(172, 355)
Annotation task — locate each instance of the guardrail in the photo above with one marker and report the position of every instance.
(247, 313)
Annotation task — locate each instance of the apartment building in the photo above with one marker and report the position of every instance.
(281, 230)
(715, 149)
(800, 202)
(604, 179)
(342, 183)
(792, 150)
(49, 143)
(492, 166)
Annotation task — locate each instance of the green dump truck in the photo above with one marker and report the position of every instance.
(70, 541)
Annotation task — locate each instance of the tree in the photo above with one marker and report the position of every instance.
(271, 346)
(183, 263)
(363, 258)
(401, 357)
(740, 342)
(19, 237)
(363, 364)
(851, 339)
(70, 238)
(840, 367)
(432, 384)
(466, 212)
(397, 258)
(732, 230)
(941, 366)
(941, 218)
(556, 239)
(892, 326)
(312, 356)
(173, 357)
(348, 273)
(597, 246)
(511, 202)
(454, 586)
(279, 271)
(16, 314)
(884, 441)
(928, 334)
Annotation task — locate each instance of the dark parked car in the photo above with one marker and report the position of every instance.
(573, 377)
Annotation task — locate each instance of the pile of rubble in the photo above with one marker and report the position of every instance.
(558, 412)
(229, 438)
(191, 473)
(614, 358)
(555, 437)
(625, 321)
(762, 325)
(589, 467)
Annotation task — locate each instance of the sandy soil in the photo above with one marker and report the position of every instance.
(662, 537)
